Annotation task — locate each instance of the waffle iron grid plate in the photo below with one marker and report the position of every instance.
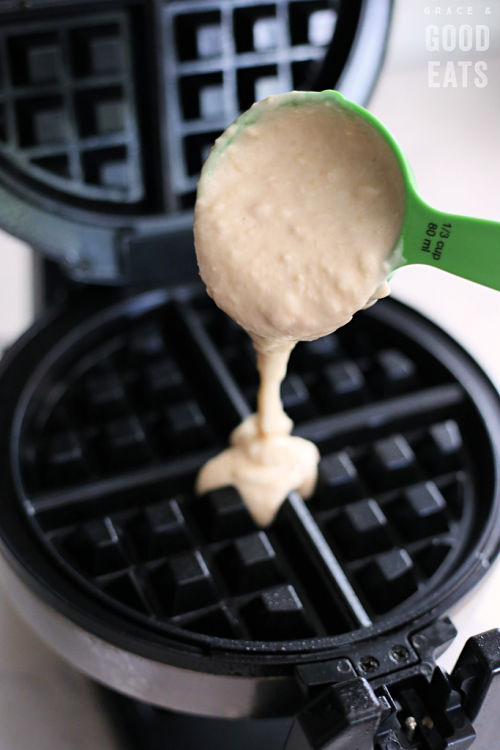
(118, 413)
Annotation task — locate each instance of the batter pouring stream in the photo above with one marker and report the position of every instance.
(296, 215)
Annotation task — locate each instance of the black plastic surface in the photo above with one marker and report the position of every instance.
(344, 716)
(121, 412)
(107, 112)
(421, 708)
(69, 108)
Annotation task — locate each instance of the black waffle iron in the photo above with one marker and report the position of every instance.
(131, 379)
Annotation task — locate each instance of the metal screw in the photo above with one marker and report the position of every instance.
(399, 654)
(426, 669)
(419, 640)
(411, 727)
(427, 722)
(369, 664)
(343, 665)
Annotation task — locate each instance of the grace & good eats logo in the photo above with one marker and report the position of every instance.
(458, 36)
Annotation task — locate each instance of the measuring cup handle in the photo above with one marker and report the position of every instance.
(461, 245)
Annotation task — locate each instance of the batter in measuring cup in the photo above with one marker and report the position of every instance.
(296, 216)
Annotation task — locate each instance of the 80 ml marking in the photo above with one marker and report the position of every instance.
(434, 241)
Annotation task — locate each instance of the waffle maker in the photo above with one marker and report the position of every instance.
(321, 631)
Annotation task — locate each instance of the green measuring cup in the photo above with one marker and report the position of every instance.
(461, 245)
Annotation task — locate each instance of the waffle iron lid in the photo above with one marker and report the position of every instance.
(107, 112)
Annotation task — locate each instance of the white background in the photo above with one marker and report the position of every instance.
(451, 139)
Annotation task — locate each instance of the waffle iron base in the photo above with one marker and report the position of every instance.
(182, 601)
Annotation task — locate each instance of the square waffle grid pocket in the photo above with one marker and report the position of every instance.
(221, 57)
(67, 105)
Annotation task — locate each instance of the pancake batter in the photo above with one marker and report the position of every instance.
(296, 216)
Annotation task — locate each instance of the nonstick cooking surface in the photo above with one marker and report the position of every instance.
(76, 89)
(117, 418)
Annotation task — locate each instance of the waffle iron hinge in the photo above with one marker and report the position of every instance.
(416, 707)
